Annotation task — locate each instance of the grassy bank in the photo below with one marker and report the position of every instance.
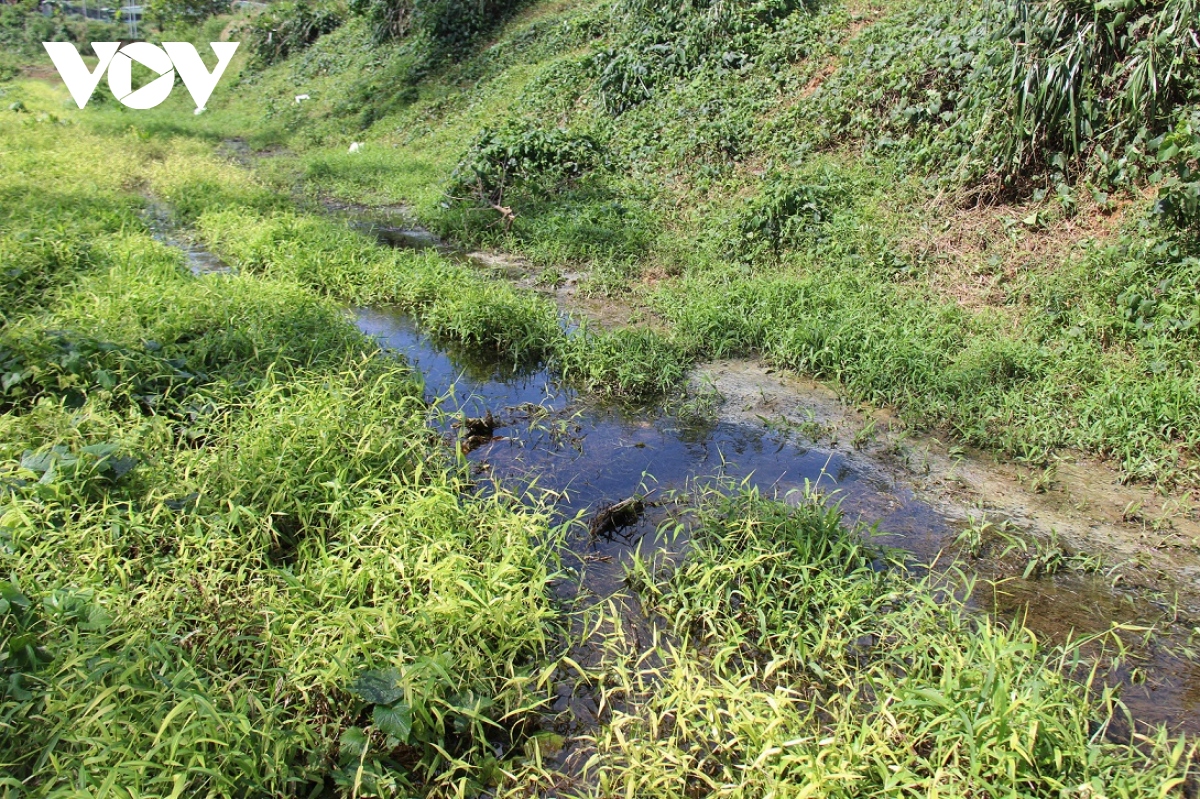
(236, 561)
(860, 192)
(796, 667)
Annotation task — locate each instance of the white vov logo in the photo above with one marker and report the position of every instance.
(172, 57)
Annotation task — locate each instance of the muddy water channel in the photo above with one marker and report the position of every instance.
(588, 458)
(617, 470)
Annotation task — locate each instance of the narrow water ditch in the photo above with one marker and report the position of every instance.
(590, 455)
(610, 465)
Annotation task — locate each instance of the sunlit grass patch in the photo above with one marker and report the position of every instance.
(449, 299)
(223, 595)
(799, 668)
(222, 510)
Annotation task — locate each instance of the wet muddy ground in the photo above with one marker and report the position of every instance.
(1138, 536)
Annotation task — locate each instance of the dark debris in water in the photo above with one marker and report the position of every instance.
(612, 519)
(479, 430)
(601, 461)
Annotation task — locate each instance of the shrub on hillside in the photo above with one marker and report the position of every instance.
(289, 27)
(23, 29)
(1012, 95)
(657, 43)
(1178, 153)
(172, 12)
(780, 215)
(538, 160)
(1079, 70)
(451, 25)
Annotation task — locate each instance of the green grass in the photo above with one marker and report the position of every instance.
(796, 667)
(237, 560)
(222, 510)
(449, 299)
(777, 184)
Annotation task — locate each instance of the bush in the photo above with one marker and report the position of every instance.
(288, 28)
(519, 155)
(1010, 94)
(454, 25)
(389, 19)
(23, 28)
(167, 12)
(451, 25)
(657, 44)
(780, 215)
(1178, 152)
(1080, 68)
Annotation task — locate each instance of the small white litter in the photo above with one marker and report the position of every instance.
(302, 97)
(355, 146)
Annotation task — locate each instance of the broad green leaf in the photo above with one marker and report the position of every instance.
(354, 742)
(45, 461)
(12, 595)
(394, 720)
(380, 687)
(103, 450)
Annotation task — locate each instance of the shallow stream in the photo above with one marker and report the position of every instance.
(587, 455)
(584, 456)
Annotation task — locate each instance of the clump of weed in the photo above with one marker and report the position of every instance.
(660, 44)
(795, 661)
(628, 361)
(223, 512)
(780, 214)
(287, 28)
(517, 157)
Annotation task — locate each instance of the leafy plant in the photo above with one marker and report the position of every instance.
(167, 12)
(794, 661)
(455, 25)
(659, 43)
(781, 214)
(1178, 155)
(520, 156)
(1078, 68)
(289, 27)
(452, 26)
(389, 19)
(21, 653)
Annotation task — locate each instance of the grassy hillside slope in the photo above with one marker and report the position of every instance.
(907, 197)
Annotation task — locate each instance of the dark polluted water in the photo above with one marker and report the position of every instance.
(588, 456)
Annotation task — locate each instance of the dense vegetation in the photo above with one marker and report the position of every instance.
(23, 29)
(802, 669)
(236, 560)
(983, 214)
(226, 530)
